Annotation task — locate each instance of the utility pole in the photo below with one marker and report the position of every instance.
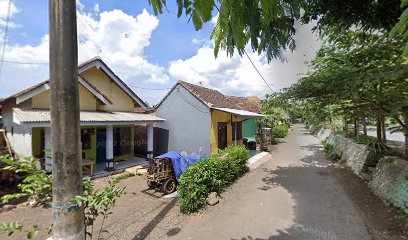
(68, 218)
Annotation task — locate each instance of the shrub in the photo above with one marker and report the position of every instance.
(212, 174)
(36, 186)
(280, 131)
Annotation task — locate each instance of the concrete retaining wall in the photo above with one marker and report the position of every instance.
(390, 177)
(354, 154)
(390, 181)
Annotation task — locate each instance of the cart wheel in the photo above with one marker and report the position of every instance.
(169, 186)
(151, 184)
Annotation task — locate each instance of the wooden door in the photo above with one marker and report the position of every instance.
(222, 135)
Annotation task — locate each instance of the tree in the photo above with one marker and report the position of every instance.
(357, 75)
(401, 28)
(268, 26)
(340, 15)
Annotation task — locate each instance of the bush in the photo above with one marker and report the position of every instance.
(37, 186)
(212, 174)
(280, 131)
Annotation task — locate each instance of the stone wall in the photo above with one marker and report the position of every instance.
(390, 181)
(354, 154)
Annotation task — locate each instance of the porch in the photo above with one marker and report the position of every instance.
(119, 166)
(105, 136)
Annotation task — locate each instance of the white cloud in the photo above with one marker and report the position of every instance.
(3, 14)
(119, 38)
(96, 8)
(237, 76)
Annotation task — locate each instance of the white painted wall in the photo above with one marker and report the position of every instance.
(20, 136)
(188, 122)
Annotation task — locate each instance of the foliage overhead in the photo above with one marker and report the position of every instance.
(267, 25)
(401, 28)
(341, 15)
(356, 75)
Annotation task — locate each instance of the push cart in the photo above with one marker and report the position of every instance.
(160, 174)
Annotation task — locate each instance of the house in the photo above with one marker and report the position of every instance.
(250, 126)
(200, 120)
(108, 117)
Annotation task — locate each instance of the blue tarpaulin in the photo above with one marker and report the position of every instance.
(181, 163)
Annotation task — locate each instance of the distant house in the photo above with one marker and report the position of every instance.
(109, 112)
(201, 120)
(250, 126)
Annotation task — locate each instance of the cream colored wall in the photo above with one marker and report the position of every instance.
(121, 101)
(87, 101)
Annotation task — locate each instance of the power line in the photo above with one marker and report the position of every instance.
(5, 36)
(249, 57)
(258, 71)
(27, 63)
(145, 88)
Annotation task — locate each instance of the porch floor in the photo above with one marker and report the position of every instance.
(120, 166)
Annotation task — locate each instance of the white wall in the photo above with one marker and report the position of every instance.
(20, 136)
(188, 122)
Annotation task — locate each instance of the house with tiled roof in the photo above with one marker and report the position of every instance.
(202, 120)
(109, 112)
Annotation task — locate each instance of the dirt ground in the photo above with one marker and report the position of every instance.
(139, 214)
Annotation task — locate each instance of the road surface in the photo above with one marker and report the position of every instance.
(296, 194)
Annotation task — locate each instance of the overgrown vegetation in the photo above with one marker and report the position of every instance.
(37, 186)
(11, 228)
(280, 131)
(212, 174)
(99, 203)
(398, 196)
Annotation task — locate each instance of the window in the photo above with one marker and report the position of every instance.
(238, 130)
(86, 139)
(122, 141)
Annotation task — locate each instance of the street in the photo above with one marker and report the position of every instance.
(296, 194)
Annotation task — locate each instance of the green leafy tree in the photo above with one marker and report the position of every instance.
(359, 73)
(341, 15)
(401, 28)
(268, 26)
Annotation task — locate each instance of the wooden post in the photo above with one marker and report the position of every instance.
(68, 218)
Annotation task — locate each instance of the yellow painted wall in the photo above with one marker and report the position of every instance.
(121, 101)
(87, 100)
(216, 117)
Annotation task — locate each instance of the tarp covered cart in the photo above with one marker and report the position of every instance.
(165, 170)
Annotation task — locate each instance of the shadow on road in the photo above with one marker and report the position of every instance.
(330, 202)
(146, 230)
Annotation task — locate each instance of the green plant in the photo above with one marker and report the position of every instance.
(37, 186)
(11, 228)
(99, 202)
(398, 195)
(280, 131)
(124, 176)
(212, 174)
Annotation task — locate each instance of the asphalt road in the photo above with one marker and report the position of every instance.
(396, 136)
(295, 194)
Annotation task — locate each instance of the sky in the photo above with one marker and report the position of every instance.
(144, 50)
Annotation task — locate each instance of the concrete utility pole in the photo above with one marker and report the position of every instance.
(65, 129)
